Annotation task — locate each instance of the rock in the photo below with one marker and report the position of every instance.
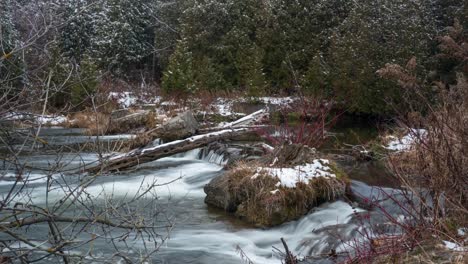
(182, 126)
(218, 196)
(127, 122)
(120, 113)
(260, 198)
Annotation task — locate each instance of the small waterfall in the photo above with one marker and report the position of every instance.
(205, 154)
(193, 154)
(213, 156)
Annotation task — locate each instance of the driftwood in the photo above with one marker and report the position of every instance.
(144, 155)
(140, 156)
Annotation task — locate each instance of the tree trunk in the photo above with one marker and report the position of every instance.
(144, 155)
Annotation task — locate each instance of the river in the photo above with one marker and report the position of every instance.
(199, 234)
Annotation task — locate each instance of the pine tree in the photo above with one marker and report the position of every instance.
(377, 32)
(186, 74)
(123, 35)
(78, 31)
(294, 32)
(199, 59)
(252, 77)
(8, 33)
(167, 28)
(179, 76)
(10, 63)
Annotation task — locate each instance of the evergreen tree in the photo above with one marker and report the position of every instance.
(446, 11)
(297, 32)
(167, 28)
(186, 74)
(8, 33)
(123, 35)
(10, 63)
(179, 75)
(198, 61)
(76, 35)
(377, 32)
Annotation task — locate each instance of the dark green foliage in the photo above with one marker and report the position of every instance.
(330, 48)
(76, 35)
(316, 80)
(123, 37)
(10, 62)
(71, 84)
(166, 30)
(373, 34)
(179, 75)
(187, 75)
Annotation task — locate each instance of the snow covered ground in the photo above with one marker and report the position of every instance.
(406, 142)
(289, 177)
(51, 120)
(222, 106)
(455, 247)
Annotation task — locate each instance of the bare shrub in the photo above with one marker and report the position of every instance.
(314, 119)
(439, 160)
(436, 168)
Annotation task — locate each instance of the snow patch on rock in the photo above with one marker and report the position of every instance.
(289, 177)
(406, 142)
(455, 247)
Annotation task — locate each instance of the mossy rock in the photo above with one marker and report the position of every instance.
(262, 202)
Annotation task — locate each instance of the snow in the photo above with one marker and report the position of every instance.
(405, 143)
(282, 101)
(289, 177)
(52, 120)
(224, 107)
(462, 231)
(454, 246)
(190, 139)
(245, 119)
(124, 99)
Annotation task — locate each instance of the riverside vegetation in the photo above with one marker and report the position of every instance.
(256, 86)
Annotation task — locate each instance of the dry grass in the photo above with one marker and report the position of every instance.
(259, 206)
(95, 123)
(435, 171)
(439, 160)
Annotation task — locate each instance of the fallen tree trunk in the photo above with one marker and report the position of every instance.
(144, 155)
(184, 125)
(140, 156)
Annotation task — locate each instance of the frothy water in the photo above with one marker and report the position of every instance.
(201, 234)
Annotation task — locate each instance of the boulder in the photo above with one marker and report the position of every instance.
(125, 123)
(120, 113)
(272, 190)
(182, 126)
(218, 195)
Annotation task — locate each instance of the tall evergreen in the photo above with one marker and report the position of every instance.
(10, 63)
(377, 32)
(123, 35)
(78, 30)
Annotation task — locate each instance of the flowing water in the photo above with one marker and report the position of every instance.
(200, 234)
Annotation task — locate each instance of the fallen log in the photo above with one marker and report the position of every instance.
(143, 155)
(248, 119)
(185, 125)
(140, 156)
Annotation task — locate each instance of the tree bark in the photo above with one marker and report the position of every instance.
(144, 155)
(140, 156)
